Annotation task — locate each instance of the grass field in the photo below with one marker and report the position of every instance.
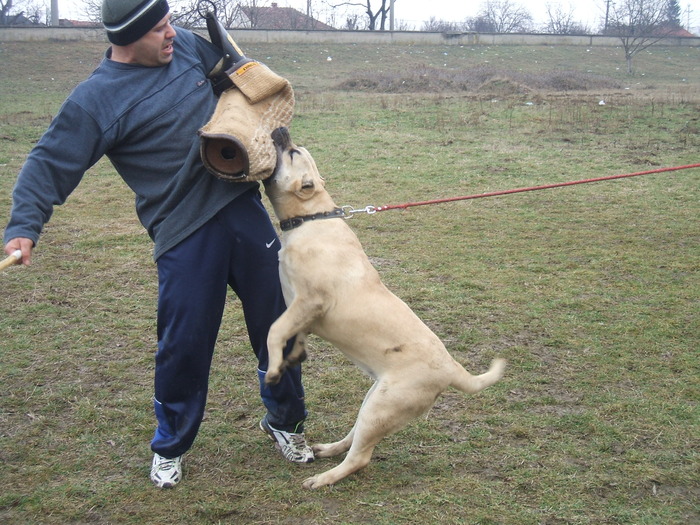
(591, 292)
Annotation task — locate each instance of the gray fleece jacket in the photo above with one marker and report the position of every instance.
(145, 119)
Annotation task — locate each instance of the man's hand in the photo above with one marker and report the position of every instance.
(22, 244)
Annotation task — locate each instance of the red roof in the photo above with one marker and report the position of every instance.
(276, 17)
(679, 32)
(64, 22)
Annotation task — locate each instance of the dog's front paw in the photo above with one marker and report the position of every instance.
(272, 378)
(312, 483)
(292, 361)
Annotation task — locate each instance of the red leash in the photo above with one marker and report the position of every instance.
(375, 209)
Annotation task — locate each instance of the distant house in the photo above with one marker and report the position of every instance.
(276, 17)
(659, 31)
(19, 21)
(677, 31)
(64, 22)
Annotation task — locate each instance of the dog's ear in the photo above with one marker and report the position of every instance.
(305, 187)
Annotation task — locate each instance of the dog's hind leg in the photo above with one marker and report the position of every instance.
(327, 450)
(383, 412)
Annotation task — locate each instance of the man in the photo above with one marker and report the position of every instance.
(142, 108)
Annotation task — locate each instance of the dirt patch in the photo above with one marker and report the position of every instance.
(480, 79)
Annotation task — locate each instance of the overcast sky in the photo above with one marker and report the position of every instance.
(414, 12)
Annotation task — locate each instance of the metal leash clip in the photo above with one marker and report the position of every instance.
(350, 211)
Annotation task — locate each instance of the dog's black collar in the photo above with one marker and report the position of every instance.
(295, 222)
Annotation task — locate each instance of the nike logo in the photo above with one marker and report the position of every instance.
(269, 244)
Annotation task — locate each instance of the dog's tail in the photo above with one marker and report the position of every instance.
(471, 384)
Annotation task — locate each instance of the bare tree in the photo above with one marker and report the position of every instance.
(352, 22)
(37, 13)
(92, 10)
(479, 24)
(561, 21)
(373, 16)
(5, 8)
(505, 16)
(33, 11)
(638, 24)
(231, 13)
(436, 25)
(188, 13)
(402, 25)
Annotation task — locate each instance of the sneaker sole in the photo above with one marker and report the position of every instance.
(165, 485)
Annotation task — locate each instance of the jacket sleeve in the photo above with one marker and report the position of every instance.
(69, 147)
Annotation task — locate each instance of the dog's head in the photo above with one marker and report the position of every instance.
(295, 187)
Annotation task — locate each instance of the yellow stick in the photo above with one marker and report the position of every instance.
(14, 258)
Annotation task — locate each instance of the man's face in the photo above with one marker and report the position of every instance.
(155, 48)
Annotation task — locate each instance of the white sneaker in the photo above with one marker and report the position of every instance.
(166, 473)
(292, 445)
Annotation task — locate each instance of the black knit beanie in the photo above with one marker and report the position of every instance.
(128, 20)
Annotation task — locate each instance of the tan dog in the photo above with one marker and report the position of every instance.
(333, 291)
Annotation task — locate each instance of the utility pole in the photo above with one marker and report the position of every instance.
(391, 15)
(54, 13)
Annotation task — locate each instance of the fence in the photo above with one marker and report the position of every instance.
(251, 36)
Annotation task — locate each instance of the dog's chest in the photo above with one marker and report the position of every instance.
(321, 257)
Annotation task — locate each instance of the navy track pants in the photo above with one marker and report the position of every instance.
(237, 248)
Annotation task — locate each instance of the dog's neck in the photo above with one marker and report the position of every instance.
(288, 206)
(295, 222)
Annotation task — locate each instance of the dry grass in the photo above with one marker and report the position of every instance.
(591, 293)
(479, 79)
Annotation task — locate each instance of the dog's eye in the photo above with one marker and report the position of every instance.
(293, 152)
